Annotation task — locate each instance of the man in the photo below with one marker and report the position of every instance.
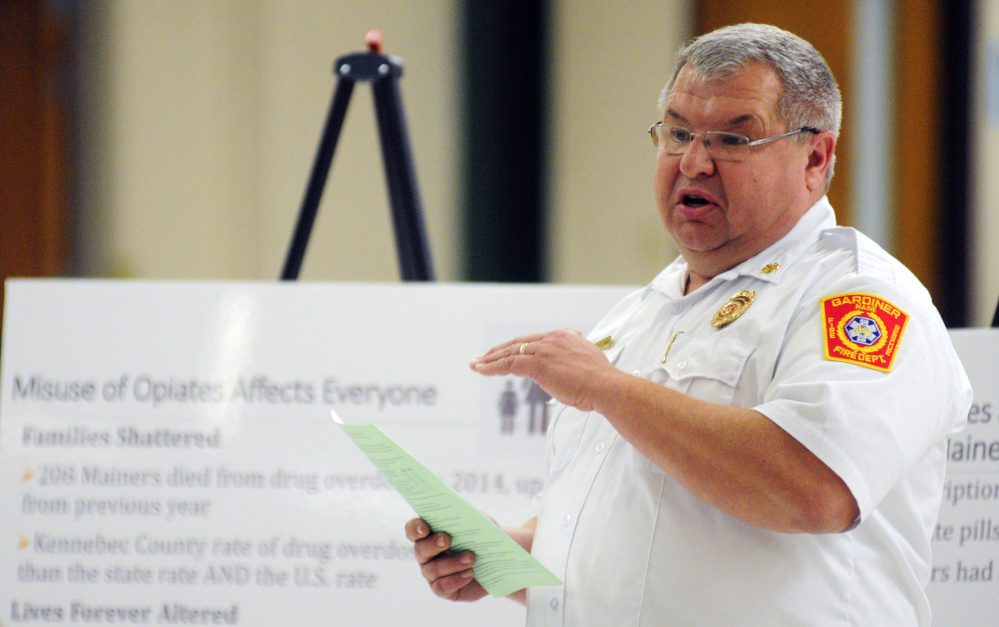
(758, 437)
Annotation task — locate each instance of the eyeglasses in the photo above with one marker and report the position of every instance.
(721, 145)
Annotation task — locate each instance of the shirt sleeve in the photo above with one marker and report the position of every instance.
(868, 425)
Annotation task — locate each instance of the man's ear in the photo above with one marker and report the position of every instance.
(820, 156)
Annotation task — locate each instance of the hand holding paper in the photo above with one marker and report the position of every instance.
(501, 565)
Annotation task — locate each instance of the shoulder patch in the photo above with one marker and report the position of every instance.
(862, 329)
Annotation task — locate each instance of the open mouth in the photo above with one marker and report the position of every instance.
(692, 200)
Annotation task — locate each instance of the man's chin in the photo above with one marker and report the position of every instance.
(697, 237)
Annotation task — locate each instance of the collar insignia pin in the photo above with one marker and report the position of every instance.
(771, 267)
(735, 307)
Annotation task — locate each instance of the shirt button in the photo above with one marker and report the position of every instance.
(637, 373)
(554, 605)
(682, 365)
(566, 520)
(599, 448)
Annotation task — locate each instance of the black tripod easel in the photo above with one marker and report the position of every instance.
(383, 73)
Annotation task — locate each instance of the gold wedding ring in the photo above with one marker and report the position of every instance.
(523, 348)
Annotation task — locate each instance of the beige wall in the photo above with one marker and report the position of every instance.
(611, 61)
(204, 135)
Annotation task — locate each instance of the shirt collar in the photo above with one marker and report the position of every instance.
(769, 265)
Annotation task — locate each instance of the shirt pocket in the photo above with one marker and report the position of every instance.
(705, 368)
(566, 429)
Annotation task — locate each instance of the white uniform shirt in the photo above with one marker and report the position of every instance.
(635, 548)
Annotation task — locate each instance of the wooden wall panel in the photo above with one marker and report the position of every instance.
(917, 159)
(33, 177)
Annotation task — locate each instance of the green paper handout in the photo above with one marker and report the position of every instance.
(501, 565)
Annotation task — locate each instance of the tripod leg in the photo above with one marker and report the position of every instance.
(317, 180)
(407, 210)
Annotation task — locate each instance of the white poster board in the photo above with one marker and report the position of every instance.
(167, 453)
(964, 589)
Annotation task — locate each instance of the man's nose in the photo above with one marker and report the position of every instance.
(696, 161)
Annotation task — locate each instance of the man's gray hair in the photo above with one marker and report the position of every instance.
(811, 96)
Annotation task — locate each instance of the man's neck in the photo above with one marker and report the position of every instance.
(694, 281)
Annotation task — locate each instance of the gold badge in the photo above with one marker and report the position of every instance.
(735, 307)
(771, 267)
(605, 343)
